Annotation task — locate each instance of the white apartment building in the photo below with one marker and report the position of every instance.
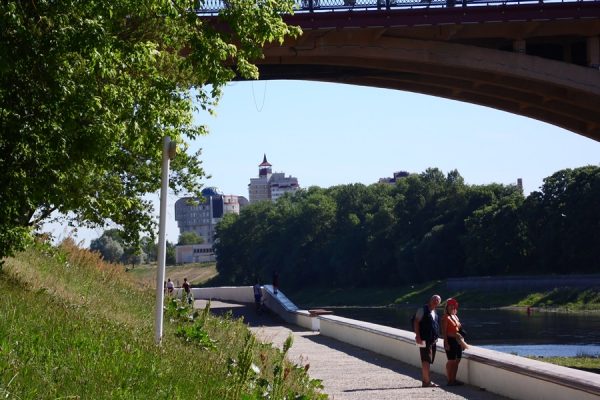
(270, 186)
(193, 253)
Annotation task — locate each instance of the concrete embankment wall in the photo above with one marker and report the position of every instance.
(505, 374)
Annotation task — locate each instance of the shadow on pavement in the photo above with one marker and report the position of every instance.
(247, 311)
(367, 356)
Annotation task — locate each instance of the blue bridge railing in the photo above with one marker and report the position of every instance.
(210, 7)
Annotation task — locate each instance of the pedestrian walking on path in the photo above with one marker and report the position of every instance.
(275, 282)
(188, 291)
(257, 289)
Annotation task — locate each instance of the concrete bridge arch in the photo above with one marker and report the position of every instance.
(487, 63)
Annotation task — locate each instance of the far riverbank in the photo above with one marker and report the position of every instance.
(556, 299)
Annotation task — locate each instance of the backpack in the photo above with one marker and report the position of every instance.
(413, 317)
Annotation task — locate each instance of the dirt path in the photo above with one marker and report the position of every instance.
(196, 274)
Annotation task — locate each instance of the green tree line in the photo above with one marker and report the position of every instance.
(426, 226)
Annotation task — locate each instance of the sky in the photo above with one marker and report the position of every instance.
(329, 134)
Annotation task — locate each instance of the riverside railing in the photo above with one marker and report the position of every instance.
(210, 7)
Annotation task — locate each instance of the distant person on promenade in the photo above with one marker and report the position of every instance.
(170, 287)
(187, 290)
(453, 341)
(257, 296)
(275, 282)
(426, 326)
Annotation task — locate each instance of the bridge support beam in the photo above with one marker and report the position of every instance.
(593, 52)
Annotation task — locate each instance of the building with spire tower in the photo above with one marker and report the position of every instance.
(270, 186)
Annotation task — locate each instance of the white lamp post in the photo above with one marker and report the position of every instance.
(169, 149)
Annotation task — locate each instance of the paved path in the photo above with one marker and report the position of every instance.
(348, 372)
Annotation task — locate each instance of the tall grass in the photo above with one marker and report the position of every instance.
(72, 326)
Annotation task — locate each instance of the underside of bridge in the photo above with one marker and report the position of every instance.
(545, 68)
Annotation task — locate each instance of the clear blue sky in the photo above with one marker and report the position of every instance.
(329, 134)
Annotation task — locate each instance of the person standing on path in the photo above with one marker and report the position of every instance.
(186, 289)
(275, 282)
(257, 296)
(450, 331)
(426, 327)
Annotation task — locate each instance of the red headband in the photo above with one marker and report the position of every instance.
(452, 302)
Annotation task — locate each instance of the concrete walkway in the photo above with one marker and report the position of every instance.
(347, 372)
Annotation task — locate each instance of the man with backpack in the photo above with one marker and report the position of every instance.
(427, 329)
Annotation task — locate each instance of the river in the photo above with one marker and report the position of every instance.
(511, 331)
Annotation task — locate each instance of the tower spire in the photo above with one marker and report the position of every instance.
(264, 168)
(265, 163)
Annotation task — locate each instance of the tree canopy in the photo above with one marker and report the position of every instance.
(428, 226)
(88, 89)
(190, 238)
(114, 248)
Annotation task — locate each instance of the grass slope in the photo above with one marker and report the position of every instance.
(72, 326)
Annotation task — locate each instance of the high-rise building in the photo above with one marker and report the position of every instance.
(394, 179)
(270, 185)
(201, 216)
(520, 184)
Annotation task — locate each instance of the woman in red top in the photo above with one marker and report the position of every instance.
(450, 327)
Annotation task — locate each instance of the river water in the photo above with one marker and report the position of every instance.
(511, 331)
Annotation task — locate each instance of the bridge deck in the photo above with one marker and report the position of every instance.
(347, 372)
